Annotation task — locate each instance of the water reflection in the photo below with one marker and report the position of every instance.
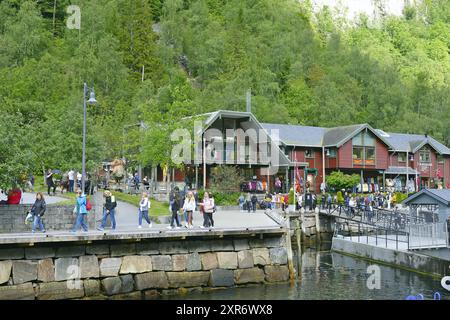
(330, 275)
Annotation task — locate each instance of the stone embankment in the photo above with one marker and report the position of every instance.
(117, 269)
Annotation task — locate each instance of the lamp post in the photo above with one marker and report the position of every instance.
(91, 101)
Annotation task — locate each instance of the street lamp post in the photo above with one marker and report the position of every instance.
(91, 101)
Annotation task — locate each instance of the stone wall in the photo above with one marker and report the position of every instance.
(315, 227)
(138, 270)
(56, 217)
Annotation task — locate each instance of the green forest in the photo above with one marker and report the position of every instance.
(158, 61)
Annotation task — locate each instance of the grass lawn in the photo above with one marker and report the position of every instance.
(158, 208)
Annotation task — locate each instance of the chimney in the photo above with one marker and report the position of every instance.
(249, 100)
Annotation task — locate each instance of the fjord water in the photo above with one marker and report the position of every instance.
(328, 275)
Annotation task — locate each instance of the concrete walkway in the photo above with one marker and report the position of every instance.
(29, 198)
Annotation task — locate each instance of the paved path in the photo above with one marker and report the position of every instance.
(127, 218)
(29, 198)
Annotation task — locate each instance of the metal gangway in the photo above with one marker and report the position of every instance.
(395, 229)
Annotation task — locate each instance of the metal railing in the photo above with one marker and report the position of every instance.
(373, 235)
(430, 235)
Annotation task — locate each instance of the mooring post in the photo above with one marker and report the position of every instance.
(299, 246)
(289, 248)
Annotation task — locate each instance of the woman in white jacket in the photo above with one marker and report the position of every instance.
(144, 208)
(189, 208)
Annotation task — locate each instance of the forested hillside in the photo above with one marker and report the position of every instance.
(203, 55)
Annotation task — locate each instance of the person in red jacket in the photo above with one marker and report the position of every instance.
(14, 196)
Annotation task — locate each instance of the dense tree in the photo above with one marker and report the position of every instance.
(302, 66)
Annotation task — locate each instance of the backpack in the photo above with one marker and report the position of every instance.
(88, 205)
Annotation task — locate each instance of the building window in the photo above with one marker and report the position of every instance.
(309, 153)
(402, 157)
(364, 149)
(331, 153)
(370, 156)
(425, 156)
(440, 159)
(358, 155)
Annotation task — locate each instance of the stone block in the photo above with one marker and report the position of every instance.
(179, 262)
(162, 262)
(109, 267)
(19, 292)
(209, 261)
(221, 278)
(241, 244)
(147, 247)
(276, 273)
(112, 285)
(24, 271)
(70, 251)
(36, 253)
(66, 268)
(245, 259)
(91, 287)
(89, 267)
(261, 256)
(60, 290)
(150, 294)
(127, 283)
(278, 255)
(46, 270)
(199, 246)
(227, 260)
(137, 295)
(136, 264)
(97, 249)
(251, 275)
(123, 249)
(12, 254)
(173, 247)
(193, 262)
(188, 279)
(151, 280)
(222, 245)
(5, 271)
(273, 242)
(256, 243)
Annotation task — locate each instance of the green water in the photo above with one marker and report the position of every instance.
(329, 275)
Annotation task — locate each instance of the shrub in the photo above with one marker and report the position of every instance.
(339, 197)
(291, 196)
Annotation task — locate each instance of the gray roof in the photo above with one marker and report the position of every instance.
(296, 135)
(441, 195)
(338, 135)
(404, 142)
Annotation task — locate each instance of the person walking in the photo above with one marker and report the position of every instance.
(254, 201)
(208, 209)
(71, 175)
(241, 202)
(329, 200)
(31, 182)
(136, 180)
(189, 208)
(144, 209)
(175, 205)
(81, 211)
(38, 210)
(109, 209)
(50, 182)
(79, 176)
(248, 201)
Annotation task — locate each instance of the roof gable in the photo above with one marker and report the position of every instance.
(339, 135)
(440, 195)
